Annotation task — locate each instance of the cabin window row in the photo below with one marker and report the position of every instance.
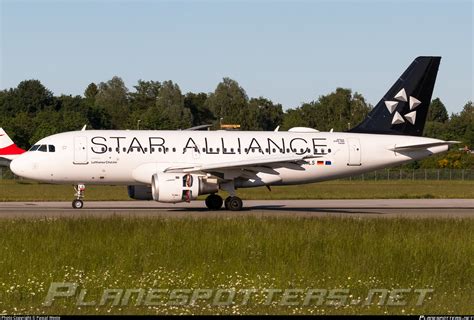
(159, 149)
(217, 150)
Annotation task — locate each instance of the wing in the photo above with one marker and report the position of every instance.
(239, 164)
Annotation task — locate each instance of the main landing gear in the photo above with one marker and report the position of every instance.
(233, 203)
(78, 203)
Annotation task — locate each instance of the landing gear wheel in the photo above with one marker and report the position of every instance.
(234, 204)
(226, 203)
(77, 204)
(214, 202)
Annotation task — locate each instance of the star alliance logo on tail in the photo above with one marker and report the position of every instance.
(401, 96)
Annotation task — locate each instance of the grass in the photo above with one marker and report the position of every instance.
(240, 253)
(404, 189)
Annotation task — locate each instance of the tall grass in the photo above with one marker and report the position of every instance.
(402, 189)
(332, 252)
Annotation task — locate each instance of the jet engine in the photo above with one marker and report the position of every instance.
(181, 187)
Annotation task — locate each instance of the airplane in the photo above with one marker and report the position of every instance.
(178, 166)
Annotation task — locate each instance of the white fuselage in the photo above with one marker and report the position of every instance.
(133, 157)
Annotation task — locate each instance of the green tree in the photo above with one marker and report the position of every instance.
(91, 92)
(29, 96)
(229, 102)
(145, 95)
(112, 96)
(437, 111)
(20, 129)
(339, 110)
(435, 129)
(70, 103)
(98, 118)
(269, 115)
(296, 117)
(169, 111)
(196, 103)
(460, 125)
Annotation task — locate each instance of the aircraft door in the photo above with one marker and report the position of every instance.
(354, 152)
(80, 150)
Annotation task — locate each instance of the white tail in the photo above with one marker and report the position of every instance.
(8, 149)
(5, 140)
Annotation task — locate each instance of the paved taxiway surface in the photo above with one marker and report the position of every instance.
(387, 208)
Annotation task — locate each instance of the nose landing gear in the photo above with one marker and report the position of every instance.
(78, 203)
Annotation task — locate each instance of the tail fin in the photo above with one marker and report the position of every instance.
(404, 107)
(8, 149)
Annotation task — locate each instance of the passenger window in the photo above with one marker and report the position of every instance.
(42, 148)
(51, 148)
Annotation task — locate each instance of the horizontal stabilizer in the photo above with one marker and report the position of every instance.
(422, 146)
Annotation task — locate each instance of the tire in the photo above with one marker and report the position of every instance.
(214, 202)
(77, 204)
(235, 204)
(226, 203)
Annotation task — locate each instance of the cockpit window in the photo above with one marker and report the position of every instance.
(43, 148)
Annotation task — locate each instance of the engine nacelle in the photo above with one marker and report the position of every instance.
(181, 187)
(140, 192)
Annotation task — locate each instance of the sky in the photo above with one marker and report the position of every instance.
(288, 51)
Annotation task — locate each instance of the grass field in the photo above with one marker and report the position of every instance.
(31, 191)
(239, 253)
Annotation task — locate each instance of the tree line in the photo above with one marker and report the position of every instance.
(30, 111)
